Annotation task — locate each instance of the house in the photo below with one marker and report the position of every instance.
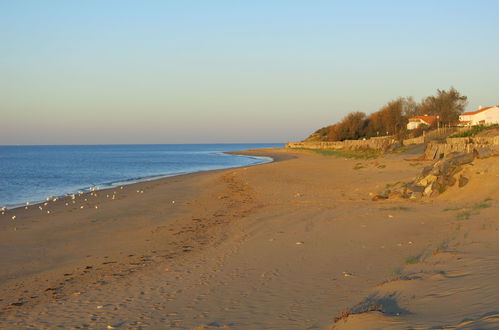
(482, 116)
(416, 121)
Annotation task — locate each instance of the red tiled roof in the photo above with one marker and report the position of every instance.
(477, 111)
(427, 119)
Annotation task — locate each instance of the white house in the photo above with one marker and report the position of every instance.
(482, 116)
(416, 121)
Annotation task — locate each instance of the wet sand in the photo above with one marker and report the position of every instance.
(286, 245)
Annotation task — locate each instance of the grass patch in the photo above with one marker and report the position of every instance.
(483, 205)
(444, 245)
(396, 208)
(357, 154)
(396, 272)
(382, 166)
(452, 209)
(465, 215)
(415, 259)
(358, 166)
(473, 131)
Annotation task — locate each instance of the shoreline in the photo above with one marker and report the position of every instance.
(285, 244)
(117, 184)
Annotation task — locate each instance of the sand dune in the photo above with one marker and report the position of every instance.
(285, 245)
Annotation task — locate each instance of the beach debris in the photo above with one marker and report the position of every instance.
(81, 207)
(45, 204)
(390, 216)
(41, 208)
(13, 217)
(347, 274)
(67, 204)
(121, 187)
(300, 243)
(73, 196)
(96, 207)
(298, 195)
(48, 212)
(173, 202)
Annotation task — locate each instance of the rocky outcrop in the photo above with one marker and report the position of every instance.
(433, 180)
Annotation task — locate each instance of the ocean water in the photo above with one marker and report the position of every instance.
(32, 173)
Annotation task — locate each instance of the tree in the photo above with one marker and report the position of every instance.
(447, 105)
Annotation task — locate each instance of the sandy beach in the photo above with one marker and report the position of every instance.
(293, 244)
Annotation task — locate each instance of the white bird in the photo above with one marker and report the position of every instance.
(13, 217)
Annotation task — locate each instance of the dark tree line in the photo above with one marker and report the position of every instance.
(393, 117)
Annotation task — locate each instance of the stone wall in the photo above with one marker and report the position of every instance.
(379, 144)
(483, 146)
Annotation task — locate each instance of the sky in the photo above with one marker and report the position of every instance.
(117, 71)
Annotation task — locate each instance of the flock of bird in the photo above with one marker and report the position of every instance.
(72, 200)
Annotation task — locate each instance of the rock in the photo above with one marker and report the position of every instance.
(450, 181)
(428, 190)
(429, 179)
(427, 170)
(483, 153)
(416, 195)
(460, 158)
(379, 197)
(416, 188)
(462, 181)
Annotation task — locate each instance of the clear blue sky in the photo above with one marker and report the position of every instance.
(115, 71)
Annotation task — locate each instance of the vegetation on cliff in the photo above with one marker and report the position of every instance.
(392, 118)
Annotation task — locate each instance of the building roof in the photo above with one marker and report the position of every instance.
(427, 119)
(471, 113)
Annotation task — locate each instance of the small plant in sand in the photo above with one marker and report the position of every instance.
(396, 272)
(464, 215)
(441, 247)
(356, 154)
(358, 166)
(415, 259)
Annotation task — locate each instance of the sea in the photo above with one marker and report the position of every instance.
(31, 174)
